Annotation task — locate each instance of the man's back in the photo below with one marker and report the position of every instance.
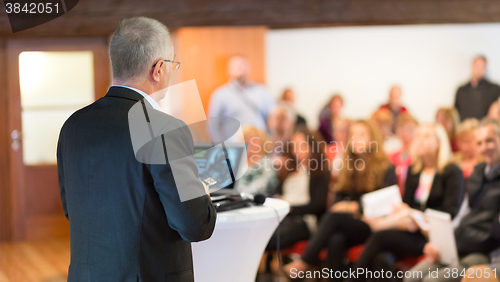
(126, 219)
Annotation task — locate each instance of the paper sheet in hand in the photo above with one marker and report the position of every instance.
(441, 236)
(381, 202)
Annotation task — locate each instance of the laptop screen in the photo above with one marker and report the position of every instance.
(212, 163)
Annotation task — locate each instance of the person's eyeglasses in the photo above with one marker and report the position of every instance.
(175, 64)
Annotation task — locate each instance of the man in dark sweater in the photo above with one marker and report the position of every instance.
(474, 99)
(473, 236)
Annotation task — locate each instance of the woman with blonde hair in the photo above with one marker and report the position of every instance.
(467, 156)
(434, 182)
(366, 169)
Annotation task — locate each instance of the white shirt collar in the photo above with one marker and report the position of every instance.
(153, 103)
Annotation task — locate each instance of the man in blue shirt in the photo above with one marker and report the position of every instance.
(245, 101)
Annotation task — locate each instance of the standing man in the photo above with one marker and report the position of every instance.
(127, 220)
(248, 102)
(473, 100)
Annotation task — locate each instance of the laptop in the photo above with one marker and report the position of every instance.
(219, 165)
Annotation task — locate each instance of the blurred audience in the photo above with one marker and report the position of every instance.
(335, 151)
(402, 159)
(448, 118)
(473, 235)
(328, 115)
(383, 119)
(494, 111)
(433, 182)
(288, 96)
(474, 99)
(260, 177)
(241, 99)
(395, 105)
(305, 187)
(366, 168)
(281, 125)
(467, 156)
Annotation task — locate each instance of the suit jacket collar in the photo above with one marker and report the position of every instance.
(476, 180)
(124, 93)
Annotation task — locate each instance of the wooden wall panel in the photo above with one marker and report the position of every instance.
(204, 53)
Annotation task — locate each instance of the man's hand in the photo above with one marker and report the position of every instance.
(431, 253)
(206, 188)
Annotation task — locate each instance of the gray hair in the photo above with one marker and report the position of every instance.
(135, 45)
(489, 121)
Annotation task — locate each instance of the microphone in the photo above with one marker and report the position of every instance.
(257, 199)
(240, 201)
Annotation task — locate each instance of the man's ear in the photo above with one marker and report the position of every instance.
(157, 71)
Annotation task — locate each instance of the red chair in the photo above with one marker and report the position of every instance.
(299, 248)
(354, 253)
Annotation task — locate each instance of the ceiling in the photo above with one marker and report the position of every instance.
(100, 17)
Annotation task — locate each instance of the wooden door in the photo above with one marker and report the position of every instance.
(33, 114)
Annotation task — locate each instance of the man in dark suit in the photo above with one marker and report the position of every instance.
(130, 220)
(473, 100)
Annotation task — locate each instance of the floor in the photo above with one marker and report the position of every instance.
(48, 261)
(45, 261)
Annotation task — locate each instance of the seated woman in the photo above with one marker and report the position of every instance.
(405, 130)
(434, 182)
(260, 178)
(384, 120)
(467, 156)
(366, 168)
(305, 187)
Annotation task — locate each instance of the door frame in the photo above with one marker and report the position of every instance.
(17, 219)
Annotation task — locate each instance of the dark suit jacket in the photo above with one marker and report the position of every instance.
(474, 232)
(446, 193)
(126, 219)
(475, 102)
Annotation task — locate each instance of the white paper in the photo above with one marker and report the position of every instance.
(441, 236)
(381, 202)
